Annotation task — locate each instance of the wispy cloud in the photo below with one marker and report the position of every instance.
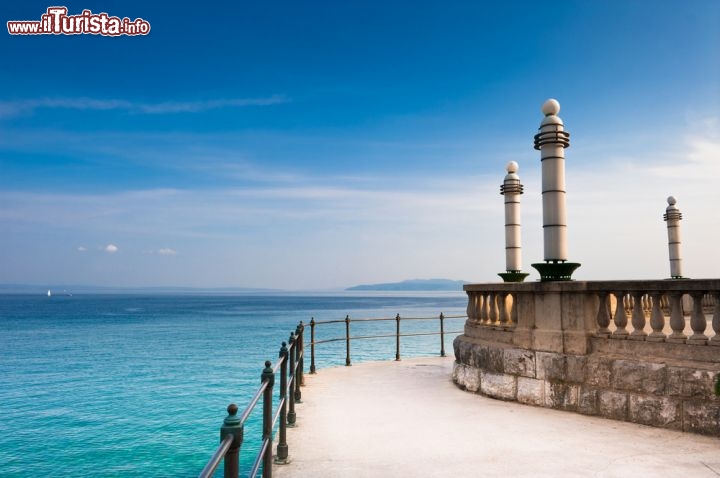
(111, 248)
(18, 107)
(166, 251)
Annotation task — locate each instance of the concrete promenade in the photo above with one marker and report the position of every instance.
(407, 419)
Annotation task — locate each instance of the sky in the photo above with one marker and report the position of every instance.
(324, 144)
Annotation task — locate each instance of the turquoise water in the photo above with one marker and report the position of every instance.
(116, 385)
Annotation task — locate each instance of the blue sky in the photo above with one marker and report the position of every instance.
(311, 145)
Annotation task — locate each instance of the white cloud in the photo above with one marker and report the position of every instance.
(166, 251)
(81, 249)
(14, 108)
(111, 248)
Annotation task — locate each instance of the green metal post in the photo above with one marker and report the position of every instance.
(312, 345)
(442, 335)
(282, 448)
(347, 341)
(291, 417)
(268, 376)
(231, 426)
(397, 337)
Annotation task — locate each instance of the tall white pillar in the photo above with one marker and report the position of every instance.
(672, 217)
(552, 141)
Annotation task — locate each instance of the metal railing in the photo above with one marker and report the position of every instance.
(291, 366)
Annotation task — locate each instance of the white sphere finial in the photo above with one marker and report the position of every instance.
(551, 107)
(671, 200)
(512, 167)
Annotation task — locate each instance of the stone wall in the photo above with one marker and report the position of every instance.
(550, 361)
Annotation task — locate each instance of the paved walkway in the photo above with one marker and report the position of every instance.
(407, 419)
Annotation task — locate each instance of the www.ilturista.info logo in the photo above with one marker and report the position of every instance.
(57, 22)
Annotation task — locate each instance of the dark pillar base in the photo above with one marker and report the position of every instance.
(513, 276)
(555, 271)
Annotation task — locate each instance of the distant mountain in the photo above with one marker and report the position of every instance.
(415, 285)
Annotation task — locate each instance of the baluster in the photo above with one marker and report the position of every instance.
(677, 321)
(442, 335)
(397, 337)
(715, 340)
(698, 322)
(620, 318)
(603, 315)
(268, 376)
(231, 426)
(312, 345)
(638, 317)
(485, 309)
(503, 315)
(657, 319)
(292, 349)
(493, 316)
(282, 446)
(300, 333)
(347, 341)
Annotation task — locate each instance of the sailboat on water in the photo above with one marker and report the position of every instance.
(49, 293)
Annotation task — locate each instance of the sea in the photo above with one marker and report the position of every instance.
(133, 385)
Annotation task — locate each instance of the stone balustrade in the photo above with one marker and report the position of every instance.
(643, 351)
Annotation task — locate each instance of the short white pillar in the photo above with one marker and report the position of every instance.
(672, 217)
(512, 189)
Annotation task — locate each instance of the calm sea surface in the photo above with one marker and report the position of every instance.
(137, 385)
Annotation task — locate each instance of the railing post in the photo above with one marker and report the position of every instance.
(442, 335)
(269, 377)
(291, 417)
(312, 345)
(298, 364)
(300, 332)
(347, 341)
(282, 448)
(397, 337)
(231, 426)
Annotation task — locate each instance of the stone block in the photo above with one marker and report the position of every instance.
(664, 412)
(691, 383)
(561, 396)
(598, 371)
(639, 377)
(489, 358)
(466, 377)
(498, 385)
(576, 342)
(531, 391)
(462, 351)
(612, 404)
(699, 416)
(519, 362)
(576, 365)
(547, 340)
(587, 400)
(550, 366)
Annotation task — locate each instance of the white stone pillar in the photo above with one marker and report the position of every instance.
(672, 217)
(552, 141)
(512, 189)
